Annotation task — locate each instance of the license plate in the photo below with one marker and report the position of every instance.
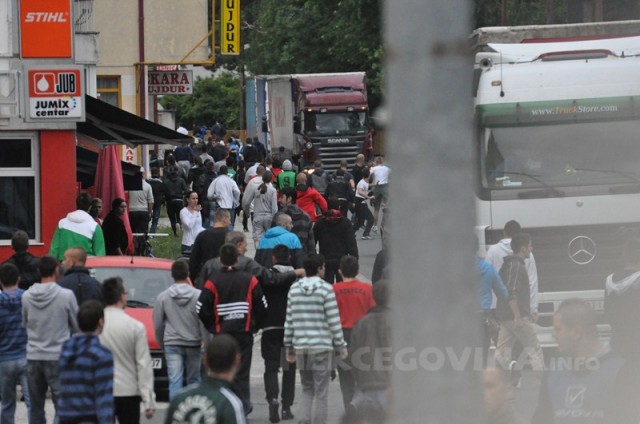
(596, 305)
(157, 363)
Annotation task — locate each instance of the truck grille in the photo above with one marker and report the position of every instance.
(332, 155)
(557, 271)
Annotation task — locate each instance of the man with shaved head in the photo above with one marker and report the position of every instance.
(76, 276)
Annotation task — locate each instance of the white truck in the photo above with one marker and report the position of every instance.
(558, 149)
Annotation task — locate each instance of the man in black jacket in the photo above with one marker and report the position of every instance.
(26, 263)
(335, 237)
(232, 302)
(77, 278)
(208, 243)
(264, 275)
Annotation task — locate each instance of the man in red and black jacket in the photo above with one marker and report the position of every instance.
(232, 302)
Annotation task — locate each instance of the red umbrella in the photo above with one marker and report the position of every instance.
(109, 184)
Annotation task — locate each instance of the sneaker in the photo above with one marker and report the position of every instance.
(366, 238)
(514, 374)
(374, 229)
(274, 417)
(286, 413)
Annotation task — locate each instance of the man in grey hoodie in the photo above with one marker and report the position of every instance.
(178, 328)
(49, 315)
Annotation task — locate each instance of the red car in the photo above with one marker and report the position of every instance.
(144, 278)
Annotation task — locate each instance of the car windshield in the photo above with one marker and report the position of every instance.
(561, 155)
(143, 284)
(333, 123)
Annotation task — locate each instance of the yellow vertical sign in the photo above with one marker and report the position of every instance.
(230, 27)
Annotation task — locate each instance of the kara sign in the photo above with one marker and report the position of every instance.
(55, 94)
(45, 29)
(170, 82)
(230, 27)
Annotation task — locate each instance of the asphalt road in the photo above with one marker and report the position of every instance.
(367, 250)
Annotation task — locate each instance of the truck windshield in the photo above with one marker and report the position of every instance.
(332, 123)
(561, 155)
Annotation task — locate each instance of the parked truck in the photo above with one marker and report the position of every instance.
(309, 116)
(558, 148)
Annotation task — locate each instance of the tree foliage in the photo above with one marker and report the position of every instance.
(212, 98)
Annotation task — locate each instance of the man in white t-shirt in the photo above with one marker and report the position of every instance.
(140, 206)
(379, 182)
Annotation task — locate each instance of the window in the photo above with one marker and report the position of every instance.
(19, 186)
(109, 89)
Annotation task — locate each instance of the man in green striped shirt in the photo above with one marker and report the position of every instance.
(312, 332)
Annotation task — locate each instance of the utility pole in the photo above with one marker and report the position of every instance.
(436, 377)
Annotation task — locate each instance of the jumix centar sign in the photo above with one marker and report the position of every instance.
(55, 94)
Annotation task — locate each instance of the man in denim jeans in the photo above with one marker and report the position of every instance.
(49, 314)
(178, 329)
(13, 343)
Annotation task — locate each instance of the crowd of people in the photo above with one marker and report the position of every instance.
(65, 332)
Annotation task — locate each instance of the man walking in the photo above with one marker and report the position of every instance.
(232, 302)
(514, 314)
(126, 338)
(86, 372)
(208, 242)
(354, 299)
(273, 341)
(13, 344)
(178, 329)
(226, 193)
(213, 401)
(49, 315)
(141, 206)
(77, 278)
(78, 229)
(309, 199)
(312, 333)
(379, 182)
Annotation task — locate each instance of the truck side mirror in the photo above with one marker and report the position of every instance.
(296, 125)
(265, 125)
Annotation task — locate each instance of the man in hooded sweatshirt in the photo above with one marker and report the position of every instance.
(312, 334)
(26, 262)
(319, 178)
(287, 178)
(78, 229)
(49, 315)
(281, 234)
(335, 237)
(309, 199)
(178, 328)
(86, 372)
(174, 188)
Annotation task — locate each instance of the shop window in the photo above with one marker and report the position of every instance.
(19, 194)
(109, 89)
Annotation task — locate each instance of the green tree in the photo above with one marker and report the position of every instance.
(217, 97)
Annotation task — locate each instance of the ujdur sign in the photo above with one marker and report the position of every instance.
(170, 82)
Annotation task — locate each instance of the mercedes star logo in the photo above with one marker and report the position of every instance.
(582, 250)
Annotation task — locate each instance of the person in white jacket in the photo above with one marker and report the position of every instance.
(265, 204)
(191, 221)
(126, 338)
(225, 192)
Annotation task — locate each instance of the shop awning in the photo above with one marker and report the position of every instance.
(86, 165)
(111, 125)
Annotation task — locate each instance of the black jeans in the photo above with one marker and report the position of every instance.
(365, 217)
(127, 409)
(245, 341)
(174, 206)
(345, 374)
(274, 357)
(331, 267)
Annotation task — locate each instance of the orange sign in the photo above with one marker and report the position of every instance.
(45, 29)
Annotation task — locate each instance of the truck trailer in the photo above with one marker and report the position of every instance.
(309, 116)
(557, 136)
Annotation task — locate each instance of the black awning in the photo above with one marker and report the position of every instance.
(111, 125)
(87, 162)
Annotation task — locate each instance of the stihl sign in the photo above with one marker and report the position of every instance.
(45, 29)
(170, 82)
(47, 17)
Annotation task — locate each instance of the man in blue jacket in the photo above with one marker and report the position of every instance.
(281, 234)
